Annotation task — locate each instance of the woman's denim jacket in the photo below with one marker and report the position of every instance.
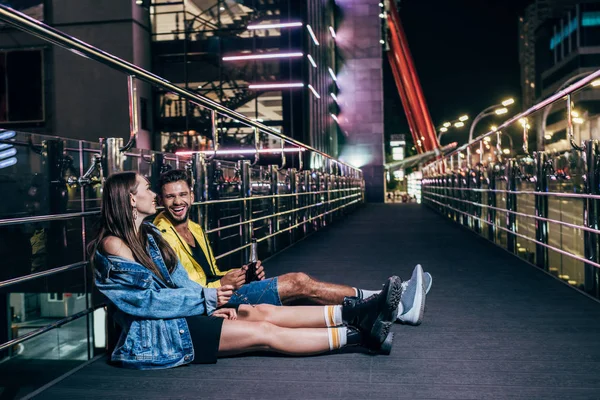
(151, 311)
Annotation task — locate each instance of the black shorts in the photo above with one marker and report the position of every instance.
(206, 336)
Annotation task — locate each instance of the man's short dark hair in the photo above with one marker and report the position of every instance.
(174, 175)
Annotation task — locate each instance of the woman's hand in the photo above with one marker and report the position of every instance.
(227, 313)
(224, 294)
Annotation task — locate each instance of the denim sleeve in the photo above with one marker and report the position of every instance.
(133, 293)
(181, 278)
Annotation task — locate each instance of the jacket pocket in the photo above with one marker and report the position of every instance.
(146, 333)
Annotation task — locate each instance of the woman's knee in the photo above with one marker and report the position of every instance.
(259, 312)
(265, 333)
(265, 310)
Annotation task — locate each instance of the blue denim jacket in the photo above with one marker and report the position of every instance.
(151, 311)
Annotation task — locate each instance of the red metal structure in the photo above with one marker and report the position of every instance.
(419, 120)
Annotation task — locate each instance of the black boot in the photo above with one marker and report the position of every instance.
(374, 316)
(355, 338)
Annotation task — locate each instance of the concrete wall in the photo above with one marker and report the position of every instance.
(90, 99)
(360, 78)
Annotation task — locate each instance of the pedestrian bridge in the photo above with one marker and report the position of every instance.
(510, 239)
(495, 326)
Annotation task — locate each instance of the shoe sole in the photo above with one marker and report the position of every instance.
(415, 315)
(381, 327)
(428, 288)
(393, 296)
(380, 333)
(386, 346)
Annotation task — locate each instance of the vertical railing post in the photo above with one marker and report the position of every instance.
(200, 187)
(541, 210)
(112, 157)
(212, 192)
(468, 197)
(134, 110)
(462, 193)
(274, 220)
(447, 182)
(156, 168)
(293, 217)
(246, 209)
(454, 196)
(591, 213)
(511, 205)
(476, 197)
(53, 157)
(491, 201)
(307, 200)
(326, 186)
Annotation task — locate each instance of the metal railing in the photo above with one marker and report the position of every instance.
(542, 205)
(277, 195)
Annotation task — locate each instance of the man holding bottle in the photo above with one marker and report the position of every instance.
(193, 249)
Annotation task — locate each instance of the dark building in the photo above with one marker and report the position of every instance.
(312, 70)
(566, 49)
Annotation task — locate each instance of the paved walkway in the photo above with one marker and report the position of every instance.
(495, 327)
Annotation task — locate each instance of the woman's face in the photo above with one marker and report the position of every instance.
(145, 199)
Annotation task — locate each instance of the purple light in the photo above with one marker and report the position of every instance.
(243, 151)
(275, 26)
(312, 35)
(312, 89)
(262, 56)
(275, 85)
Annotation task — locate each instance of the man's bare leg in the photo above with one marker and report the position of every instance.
(300, 286)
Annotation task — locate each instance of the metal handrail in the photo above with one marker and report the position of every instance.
(285, 230)
(550, 100)
(566, 253)
(505, 211)
(60, 217)
(550, 194)
(79, 47)
(45, 218)
(42, 274)
(279, 213)
(49, 327)
(268, 197)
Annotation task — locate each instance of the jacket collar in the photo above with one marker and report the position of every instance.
(103, 264)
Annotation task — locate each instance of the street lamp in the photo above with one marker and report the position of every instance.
(497, 109)
(547, 110)
(457, 123)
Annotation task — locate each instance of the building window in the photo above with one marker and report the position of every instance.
(55, 297)
(590, 18)
(21, 86)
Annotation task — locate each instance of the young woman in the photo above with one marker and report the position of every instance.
(169, 320)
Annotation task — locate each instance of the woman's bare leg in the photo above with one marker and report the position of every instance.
(284, 316)
(243, 336)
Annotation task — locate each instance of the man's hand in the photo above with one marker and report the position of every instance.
(236, 278)
(227, 313)
(224, 294)
(260, 271)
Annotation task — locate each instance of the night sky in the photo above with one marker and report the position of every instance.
(466, 53)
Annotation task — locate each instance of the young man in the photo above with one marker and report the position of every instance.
(193, 249)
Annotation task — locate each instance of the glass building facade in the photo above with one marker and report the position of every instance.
(272, 61)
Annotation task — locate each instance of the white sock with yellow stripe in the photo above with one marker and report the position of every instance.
(337, 337)
(333, 315)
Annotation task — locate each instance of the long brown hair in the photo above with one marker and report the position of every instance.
(117, 220)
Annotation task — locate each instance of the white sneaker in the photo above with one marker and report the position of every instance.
(413, 297)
